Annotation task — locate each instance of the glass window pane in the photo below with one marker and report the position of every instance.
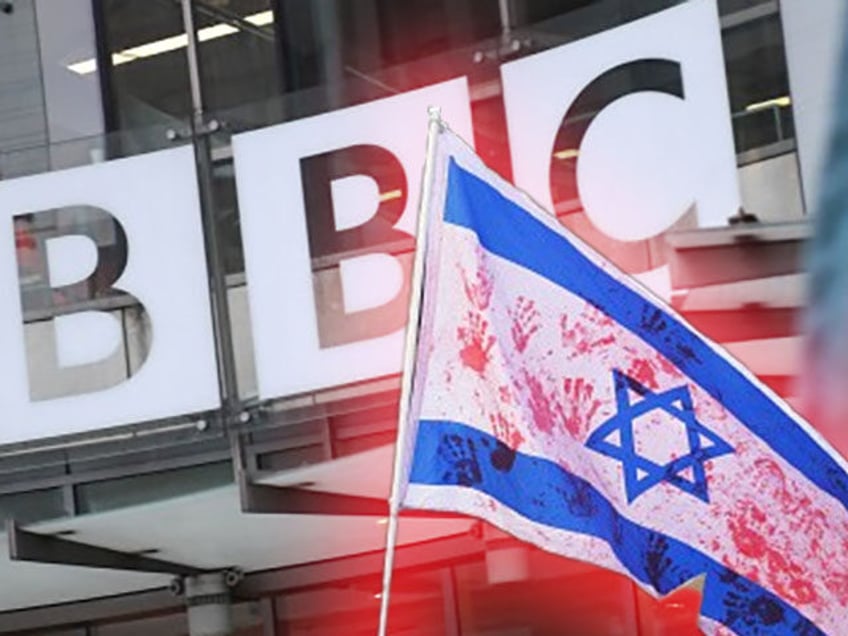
(148, 75)
(33, 506)
(758, 83)
(72, 91)
(23, 124)
(128, 491)
(246, 617)
(523, 590)
(238, 59)
(352, 607)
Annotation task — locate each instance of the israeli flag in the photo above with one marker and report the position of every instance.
(554, 397)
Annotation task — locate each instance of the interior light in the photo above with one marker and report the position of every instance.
(216, 31)
(165, 45)
(260, 19)
(567, 153)
(382, 521)
(391, 194)
(150, 49)
(83, 68)
(781, 102)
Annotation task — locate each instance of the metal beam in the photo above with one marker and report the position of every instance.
(289, 500)
(460, 548)
(42, 548)
(264, 499)
(746, 323)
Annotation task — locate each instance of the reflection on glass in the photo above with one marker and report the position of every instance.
(510, 589)
(150, 92)
(72, 101)
(419, 607)
(37, 234)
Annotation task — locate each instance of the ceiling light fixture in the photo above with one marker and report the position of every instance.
(781, 102)
(165, 45)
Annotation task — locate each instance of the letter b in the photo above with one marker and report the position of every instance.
(339, 319)
(328, 208)
(78, 343)
(128, 227)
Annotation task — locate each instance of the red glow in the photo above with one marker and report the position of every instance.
(675, 614)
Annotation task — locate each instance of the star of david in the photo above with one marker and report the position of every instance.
(615, 438)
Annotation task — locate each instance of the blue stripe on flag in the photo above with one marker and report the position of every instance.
(506, 229)
(449, 453)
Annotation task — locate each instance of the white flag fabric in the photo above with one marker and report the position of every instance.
(557, 399)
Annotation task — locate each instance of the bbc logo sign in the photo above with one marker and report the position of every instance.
(327, 207)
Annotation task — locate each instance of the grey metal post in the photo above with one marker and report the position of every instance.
(221, 323)
(207, 598)
(778, 124)
(506, 20)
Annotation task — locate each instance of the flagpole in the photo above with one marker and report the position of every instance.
(410, 345)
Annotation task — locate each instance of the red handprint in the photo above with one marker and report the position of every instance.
(476, 343)
(525, 322)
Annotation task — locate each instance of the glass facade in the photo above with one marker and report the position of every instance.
(87, 81)
(530, 593)
(267, 62)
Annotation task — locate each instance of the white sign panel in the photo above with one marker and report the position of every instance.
(151, 203)
(328, 207)
(642, 114)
